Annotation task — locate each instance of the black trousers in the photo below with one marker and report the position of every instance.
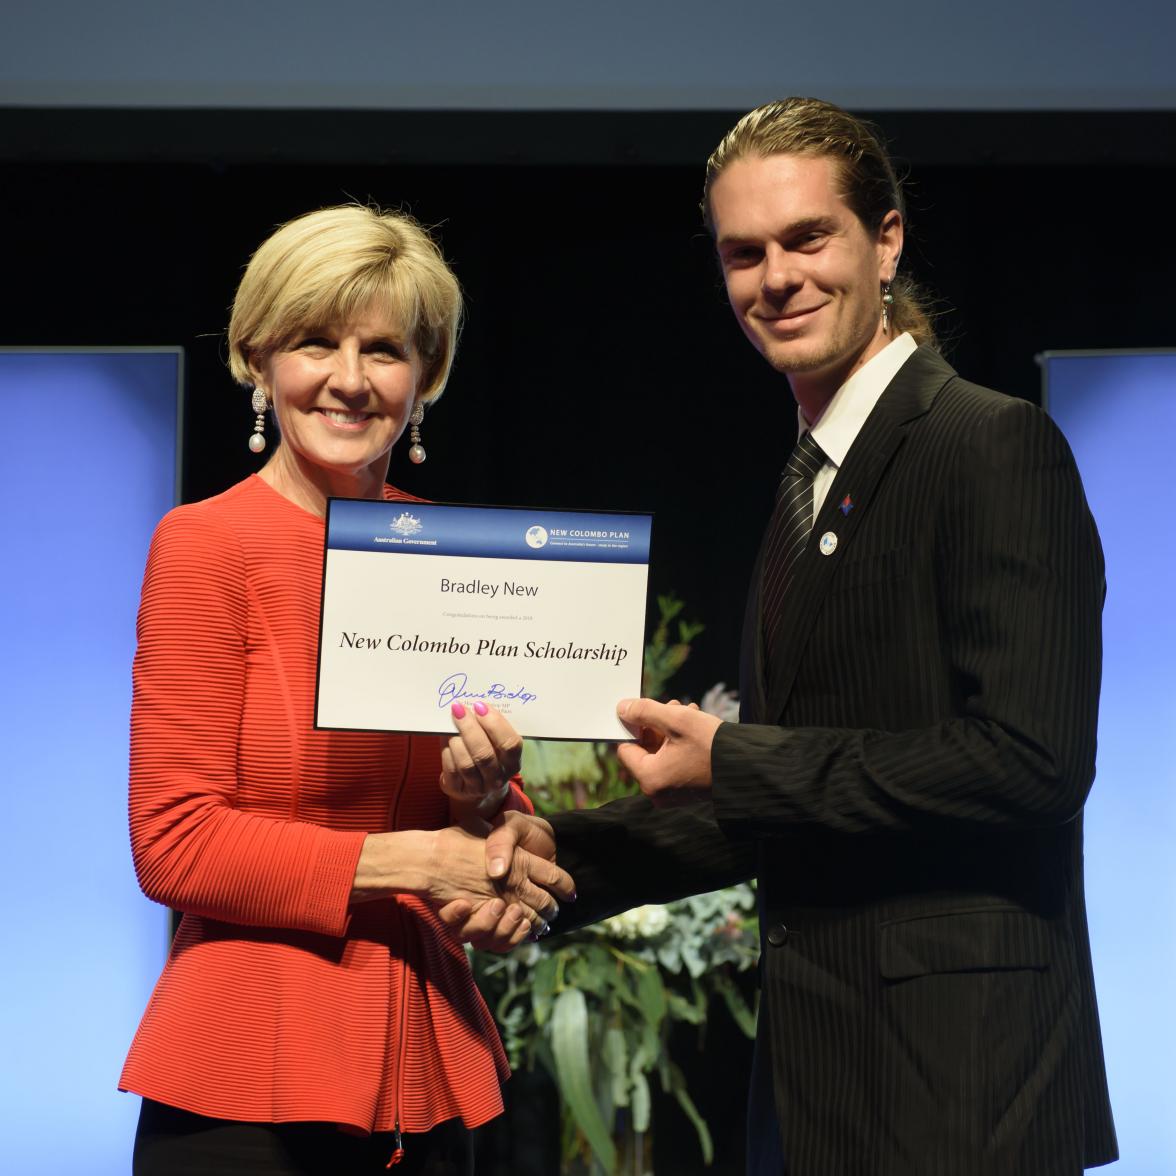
(172, 1142)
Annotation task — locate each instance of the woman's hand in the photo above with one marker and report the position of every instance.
(478, 762)
(447, 868)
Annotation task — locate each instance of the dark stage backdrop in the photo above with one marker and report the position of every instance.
(600, 366)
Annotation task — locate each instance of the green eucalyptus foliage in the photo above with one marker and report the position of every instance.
(596, 1007)
(664, 657)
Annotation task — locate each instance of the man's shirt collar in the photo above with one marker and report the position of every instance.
(844, 415)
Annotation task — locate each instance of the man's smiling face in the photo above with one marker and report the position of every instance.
(803, 274)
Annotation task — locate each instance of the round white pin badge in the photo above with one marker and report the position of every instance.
(828, 543)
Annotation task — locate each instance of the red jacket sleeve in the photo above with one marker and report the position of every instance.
(194, 850)
(517, 799)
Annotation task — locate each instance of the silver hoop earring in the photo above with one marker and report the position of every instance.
(416, 451)
(887, 303)
(260, 404)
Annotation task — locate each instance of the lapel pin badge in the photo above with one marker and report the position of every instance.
(846, 505)
(828, 543)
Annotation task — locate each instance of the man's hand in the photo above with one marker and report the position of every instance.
(492, 926)
(671, 760)
(513, 831)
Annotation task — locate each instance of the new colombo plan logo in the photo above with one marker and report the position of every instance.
(536, 536)
(406, 524)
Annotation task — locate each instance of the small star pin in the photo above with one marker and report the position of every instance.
(846, 505)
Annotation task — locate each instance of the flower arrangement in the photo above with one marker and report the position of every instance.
(595, 1007)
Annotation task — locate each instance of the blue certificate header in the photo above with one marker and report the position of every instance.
(491, 531)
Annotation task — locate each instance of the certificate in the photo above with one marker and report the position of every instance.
(538, 612)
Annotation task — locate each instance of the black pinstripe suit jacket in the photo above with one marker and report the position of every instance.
(907, 784)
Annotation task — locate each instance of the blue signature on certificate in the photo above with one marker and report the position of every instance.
(455, 687)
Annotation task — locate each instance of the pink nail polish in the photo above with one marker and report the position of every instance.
(458, 710)
(481, 708)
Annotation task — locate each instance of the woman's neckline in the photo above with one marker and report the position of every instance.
(389, 493)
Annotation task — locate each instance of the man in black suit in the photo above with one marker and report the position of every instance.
(920, 675)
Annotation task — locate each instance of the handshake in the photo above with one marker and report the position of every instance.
(502, 885)
(492, 884)
(492, 879)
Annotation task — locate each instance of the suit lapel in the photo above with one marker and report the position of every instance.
(906, 398)
(751, 654)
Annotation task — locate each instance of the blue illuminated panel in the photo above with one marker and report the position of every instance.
(1118, 411)
(87, 467)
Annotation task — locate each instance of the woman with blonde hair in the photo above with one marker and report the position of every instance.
(314, 1015)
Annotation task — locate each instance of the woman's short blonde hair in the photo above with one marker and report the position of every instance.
(327, 266)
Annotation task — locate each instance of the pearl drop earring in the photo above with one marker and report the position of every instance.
(887, 303)
(260, 404)
(416, 451)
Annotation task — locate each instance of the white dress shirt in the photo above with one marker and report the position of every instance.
(837, 427)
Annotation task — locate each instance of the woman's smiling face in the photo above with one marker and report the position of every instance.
(342, 394)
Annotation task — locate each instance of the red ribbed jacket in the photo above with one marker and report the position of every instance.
(279, 1003)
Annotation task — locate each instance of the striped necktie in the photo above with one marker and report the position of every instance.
(788, 531)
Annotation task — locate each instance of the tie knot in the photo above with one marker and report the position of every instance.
(806, 459)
